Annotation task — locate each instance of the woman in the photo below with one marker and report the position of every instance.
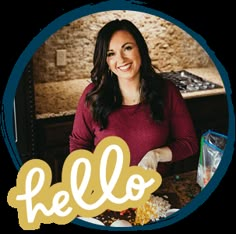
(129, 99)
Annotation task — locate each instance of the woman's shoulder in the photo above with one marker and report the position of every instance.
(171, 91)
(85, 91)
(171, 87)
(87, 88)
(167, 85)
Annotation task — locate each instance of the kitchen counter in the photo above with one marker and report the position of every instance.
(178, 190)
(209, 74)
(56, 99)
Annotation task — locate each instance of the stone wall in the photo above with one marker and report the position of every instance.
(171, 48)
(57, 88)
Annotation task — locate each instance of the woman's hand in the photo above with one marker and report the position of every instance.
(151, 159)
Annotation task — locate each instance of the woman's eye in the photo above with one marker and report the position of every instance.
(128, 48)
(109, 54)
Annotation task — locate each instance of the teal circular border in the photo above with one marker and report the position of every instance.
(10, 90)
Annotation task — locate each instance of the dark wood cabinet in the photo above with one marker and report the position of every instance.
(24, 115)
(208, 113)
(53, 142)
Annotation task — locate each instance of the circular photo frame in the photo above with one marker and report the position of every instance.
(50, 73)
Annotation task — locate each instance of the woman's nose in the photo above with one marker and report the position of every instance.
(120, 56)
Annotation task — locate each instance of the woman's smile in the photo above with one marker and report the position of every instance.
(125, 67)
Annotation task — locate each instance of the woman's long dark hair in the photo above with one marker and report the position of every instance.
(106, 95)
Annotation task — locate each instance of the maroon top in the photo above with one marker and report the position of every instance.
(134, 125)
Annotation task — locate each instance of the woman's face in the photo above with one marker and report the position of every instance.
(123, 57)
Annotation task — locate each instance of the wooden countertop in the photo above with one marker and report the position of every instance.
(55, 99)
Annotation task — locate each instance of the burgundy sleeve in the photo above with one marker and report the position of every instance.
(183, 142)
(81, 136)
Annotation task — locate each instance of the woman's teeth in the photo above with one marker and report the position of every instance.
(125, 67)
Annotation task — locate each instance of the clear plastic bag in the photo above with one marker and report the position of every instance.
(211, 151)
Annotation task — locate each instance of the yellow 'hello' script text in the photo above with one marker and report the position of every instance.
(91, 183)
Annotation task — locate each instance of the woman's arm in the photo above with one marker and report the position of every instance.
(183, 141)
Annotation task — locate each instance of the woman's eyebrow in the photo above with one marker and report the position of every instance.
(127, 43)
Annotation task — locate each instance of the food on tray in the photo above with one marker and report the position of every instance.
(152, 210)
